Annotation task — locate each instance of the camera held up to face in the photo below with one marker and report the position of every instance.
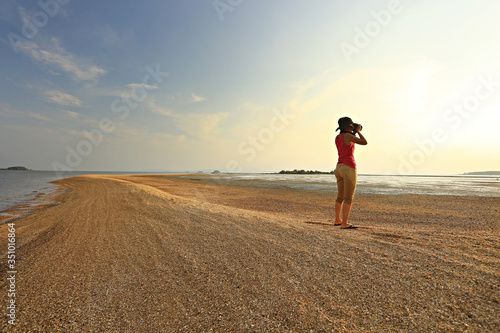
(356, 127)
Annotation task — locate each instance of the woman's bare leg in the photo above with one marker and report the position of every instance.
(346, 210)
(338, 210)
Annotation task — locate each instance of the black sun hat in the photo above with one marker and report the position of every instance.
(344, 122)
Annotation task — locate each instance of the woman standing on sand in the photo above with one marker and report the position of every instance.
(345, 172)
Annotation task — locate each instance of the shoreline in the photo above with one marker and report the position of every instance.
(364, 186)
(143, 252)
(31, 205)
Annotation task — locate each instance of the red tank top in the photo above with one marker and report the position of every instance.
(346, 153)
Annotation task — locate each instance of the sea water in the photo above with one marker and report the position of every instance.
(462, 185)
(18, 186)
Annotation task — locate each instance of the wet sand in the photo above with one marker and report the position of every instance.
(164, 254)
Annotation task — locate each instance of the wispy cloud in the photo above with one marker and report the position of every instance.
(150, 103)
(197, 98)
(7, 110)
(197, 125)
(78, 69)
(71, 114)
(142, 85)
(61, 98)
(125, 91)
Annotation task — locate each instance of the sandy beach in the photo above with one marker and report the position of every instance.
(149, 253)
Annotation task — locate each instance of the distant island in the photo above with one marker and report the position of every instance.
(482, 173)
(305, 172)
(16, 168)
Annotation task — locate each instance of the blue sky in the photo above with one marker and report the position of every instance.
(249, 85)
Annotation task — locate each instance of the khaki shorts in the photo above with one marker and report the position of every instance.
(347, 178)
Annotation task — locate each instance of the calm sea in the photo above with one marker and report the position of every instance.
(376, 184)
(19, 186)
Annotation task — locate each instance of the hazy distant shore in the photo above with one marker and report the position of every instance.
(143, 253)
(483, 173)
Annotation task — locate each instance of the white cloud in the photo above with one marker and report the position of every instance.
(125, 91)
(150, 103)
(71, 114)
(199, 125)
(197, 98)
(58, 97)
(142, 85)
(78, 69)
(7, 110)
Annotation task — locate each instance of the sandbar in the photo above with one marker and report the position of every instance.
(150, 253)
